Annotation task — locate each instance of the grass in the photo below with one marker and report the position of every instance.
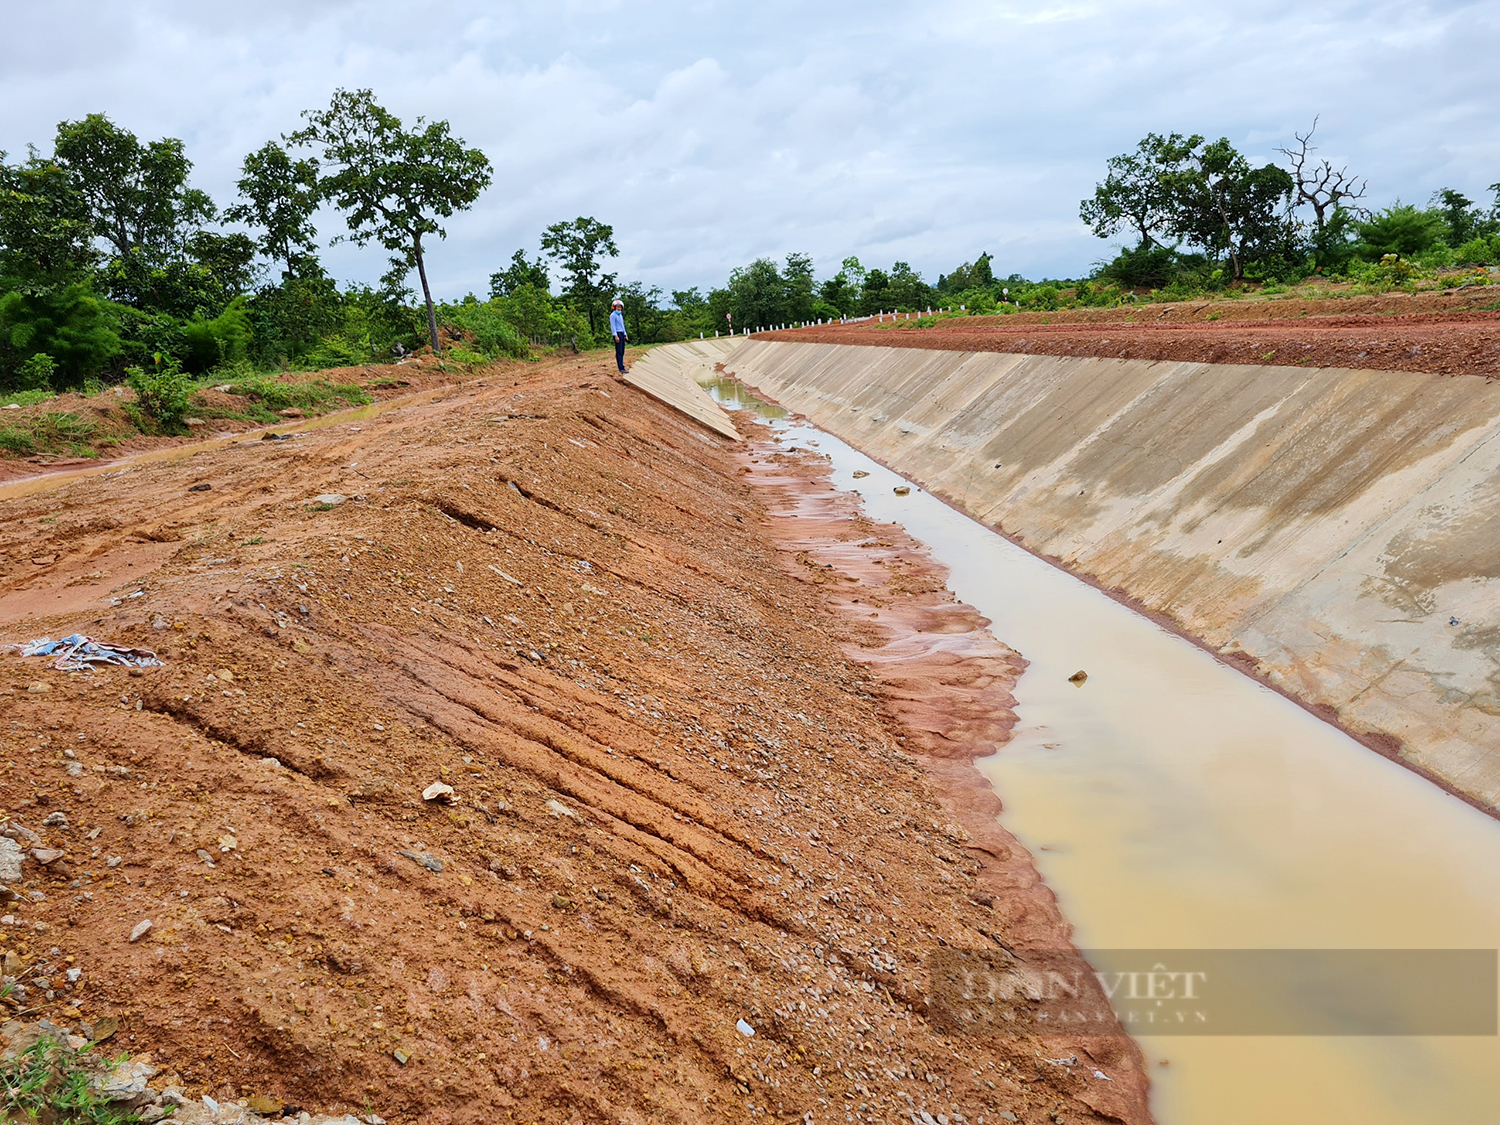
(25, 398)
(49, 1081)
(314, 394)
(51, 432)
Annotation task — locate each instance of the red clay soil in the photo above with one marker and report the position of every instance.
(116, 437)
(695, 784)
(1429, 333)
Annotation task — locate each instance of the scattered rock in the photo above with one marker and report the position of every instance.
(902, 490)
(432, 863)
(41, 687)
(201, 488)
(16, 831)
(10, 860)
(265, 1104)
(438, 791)
(1078, 678)
(860, 474)
(744, 1028)
(105, 1028)
(46, 856)
(401, 1057)
(43, 560)
(561, 902)
(56, 820)
(376, 789)
(142, 928)
(226, 675)
(330, 499)
(123, 1082)
(557, 808)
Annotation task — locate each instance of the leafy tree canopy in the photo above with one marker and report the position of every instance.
(279, 195)
(520, 272)
(579, 249)
(393, 184)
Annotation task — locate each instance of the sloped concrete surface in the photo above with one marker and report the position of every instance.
(672, 373)
(1334, 530)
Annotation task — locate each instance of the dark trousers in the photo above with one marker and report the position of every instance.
(620, 353)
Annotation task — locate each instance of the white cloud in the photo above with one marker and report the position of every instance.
(711, 133)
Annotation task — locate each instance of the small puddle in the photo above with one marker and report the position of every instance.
(28, 486)
(1173, 803)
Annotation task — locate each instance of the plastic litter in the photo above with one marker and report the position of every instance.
(744, 1028)
(78, 653)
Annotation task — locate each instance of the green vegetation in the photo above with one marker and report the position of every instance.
(162, 392)
(49, 1082)
(1204, 219)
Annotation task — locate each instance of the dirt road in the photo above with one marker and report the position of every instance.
(708, 734)
(1460, 335)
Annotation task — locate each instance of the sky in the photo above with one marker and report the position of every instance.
(710, 134)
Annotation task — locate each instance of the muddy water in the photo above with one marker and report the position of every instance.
(1173, 803)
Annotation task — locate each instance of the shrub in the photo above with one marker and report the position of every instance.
(36, 373)
(69, 324)
(224, 339)
(1480, 251)
(163, 392)
(1143, 267)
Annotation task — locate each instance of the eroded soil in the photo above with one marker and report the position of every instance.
(709, 733)
(1457, 334)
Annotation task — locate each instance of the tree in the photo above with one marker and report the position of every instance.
(520, 272)
(799, 287)
(393, 183)
(907, 289)
(757, 295)
(1324, 188)
(1400, 229)
(1138, 190)
(1224, 205)
(136, 196)
(279, 196)
(45, 233)
(579, 248)
(1463, 219)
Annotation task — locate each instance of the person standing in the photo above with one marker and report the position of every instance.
(617, 330)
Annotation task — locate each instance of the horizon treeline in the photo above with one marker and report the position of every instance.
(113, 265)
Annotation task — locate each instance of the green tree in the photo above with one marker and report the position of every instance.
(1462, 217)
(1229, 208)
(520, 272)
(876, 293)
(393, 183)
(579, 249)
(1400, 229)
(136, 196)
(1138, 190)
(45, 232)
(798, 276)
(909, 292)
(279, 195)
(757, 294)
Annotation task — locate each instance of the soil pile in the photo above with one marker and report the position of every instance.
(678, 857)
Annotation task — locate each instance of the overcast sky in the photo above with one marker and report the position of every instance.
(709, 134)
